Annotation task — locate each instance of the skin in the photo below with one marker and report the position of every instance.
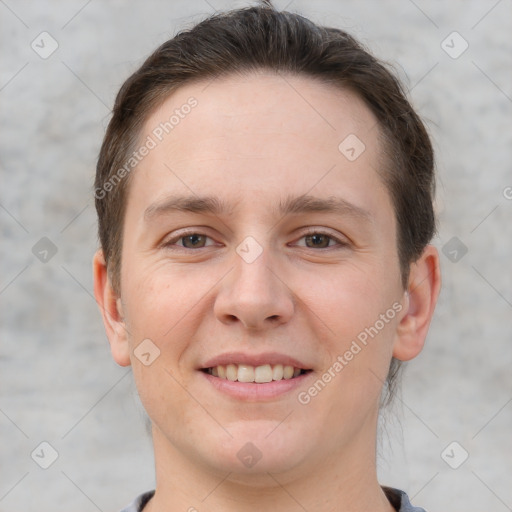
(253, 142)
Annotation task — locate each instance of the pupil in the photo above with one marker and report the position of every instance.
(193, 240)
(318, 240)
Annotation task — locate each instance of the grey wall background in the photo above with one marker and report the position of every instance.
(58, 383)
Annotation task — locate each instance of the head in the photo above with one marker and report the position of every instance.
(268, 135)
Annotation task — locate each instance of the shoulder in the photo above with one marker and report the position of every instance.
(139, 503)
(400, 500)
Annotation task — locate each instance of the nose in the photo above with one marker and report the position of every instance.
(254, 295)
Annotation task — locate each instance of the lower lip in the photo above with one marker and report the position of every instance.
(250, 391)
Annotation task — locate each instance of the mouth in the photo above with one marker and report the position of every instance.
(261, 374)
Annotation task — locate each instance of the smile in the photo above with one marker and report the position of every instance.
(257, 374)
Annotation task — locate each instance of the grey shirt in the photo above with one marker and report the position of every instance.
(397, 498)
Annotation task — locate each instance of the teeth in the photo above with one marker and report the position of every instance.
(263, 373)
(245, 373)
(258, 374)
(231, 372)
(288, 372)
(277, 372)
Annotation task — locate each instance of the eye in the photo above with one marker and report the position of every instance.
(319, 240)
(190, 241)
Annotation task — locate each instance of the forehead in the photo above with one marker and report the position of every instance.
(263, 130)
(261, 103)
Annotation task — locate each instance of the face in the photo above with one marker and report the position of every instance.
(256, 247)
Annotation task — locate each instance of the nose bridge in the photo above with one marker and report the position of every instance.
(253, 294)
(254, 273)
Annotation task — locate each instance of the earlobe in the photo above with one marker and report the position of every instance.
(419, 304)
(111, 311)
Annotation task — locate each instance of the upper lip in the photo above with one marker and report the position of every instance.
(254, 360)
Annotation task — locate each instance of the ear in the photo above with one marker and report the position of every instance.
(111, 310)
(420, 301)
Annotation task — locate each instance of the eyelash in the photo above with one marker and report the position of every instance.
(340, 243)
(179, 237)
(171, 243)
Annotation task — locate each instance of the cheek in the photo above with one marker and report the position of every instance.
(166, 304)
(163, 311)
(350, 298)
(160, 294)
(355, 315)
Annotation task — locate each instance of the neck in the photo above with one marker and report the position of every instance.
(346, 480)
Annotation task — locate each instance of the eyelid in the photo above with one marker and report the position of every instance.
(340, 241)
(172, 242)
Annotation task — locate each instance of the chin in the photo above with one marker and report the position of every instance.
(256, 451)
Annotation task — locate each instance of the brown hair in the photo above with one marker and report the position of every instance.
(258, 38)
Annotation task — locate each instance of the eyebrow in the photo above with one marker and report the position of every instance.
(331, 204)
(194, 204)
(289, 206)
